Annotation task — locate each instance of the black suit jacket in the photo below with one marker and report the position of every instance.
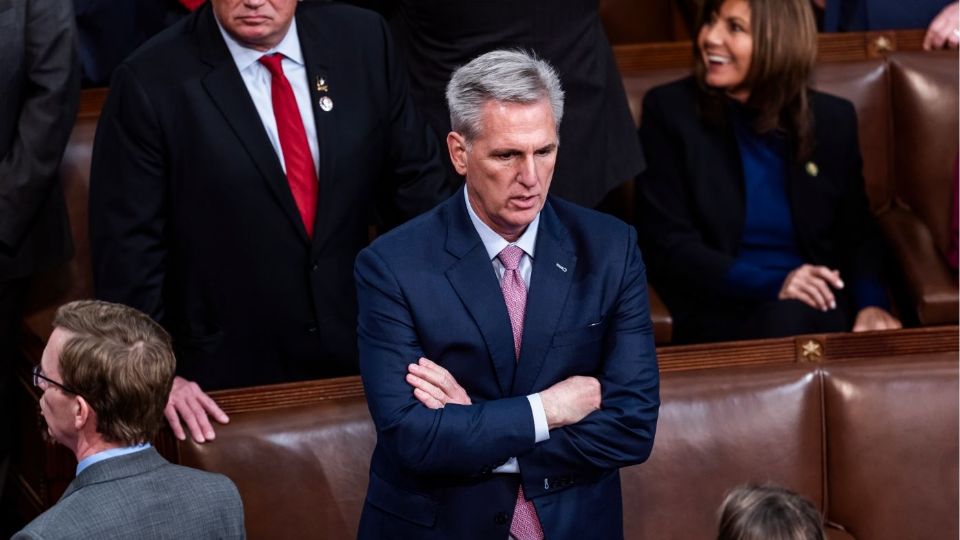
(191, 216)
(39, 90)
(598, 150)
(691, 211)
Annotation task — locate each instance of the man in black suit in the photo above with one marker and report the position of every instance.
(232, 188)
(39, 90)
(600, 150)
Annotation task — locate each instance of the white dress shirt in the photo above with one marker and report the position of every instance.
(256, 77)
(494, 244)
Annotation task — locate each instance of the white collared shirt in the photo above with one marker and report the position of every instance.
(256, 77)
(494, 244)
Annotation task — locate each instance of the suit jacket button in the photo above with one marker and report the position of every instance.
(500, 518)
(315, 267)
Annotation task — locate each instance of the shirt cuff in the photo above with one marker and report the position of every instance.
(510, 467)
(541, 431)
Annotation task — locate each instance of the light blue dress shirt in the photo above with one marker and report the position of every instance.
(107, 454)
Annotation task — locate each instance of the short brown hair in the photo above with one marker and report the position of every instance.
(784, 35)
(768, 513)
(121, 362)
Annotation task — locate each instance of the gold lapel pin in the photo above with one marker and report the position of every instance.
(322, 85)
(812, 169)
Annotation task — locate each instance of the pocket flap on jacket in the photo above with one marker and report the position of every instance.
(577, 336)
(408, 505)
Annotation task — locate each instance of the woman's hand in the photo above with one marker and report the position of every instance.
(812, 285)
(874, 318)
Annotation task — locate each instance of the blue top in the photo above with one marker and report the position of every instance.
(863, 15)
(768, 247)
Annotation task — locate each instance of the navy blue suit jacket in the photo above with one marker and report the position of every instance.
(429, 289)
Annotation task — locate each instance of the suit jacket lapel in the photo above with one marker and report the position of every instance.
(320, 66)
(803, 201)
(229, 94)
(722, 196)
(475, 282)
(553, 269)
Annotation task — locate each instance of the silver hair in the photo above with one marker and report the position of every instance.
(513, 76)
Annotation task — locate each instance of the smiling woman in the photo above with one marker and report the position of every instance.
(752, 214)
(759, 53)
(725, 47)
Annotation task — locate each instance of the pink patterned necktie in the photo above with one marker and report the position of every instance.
(525, 525)
(301, 174)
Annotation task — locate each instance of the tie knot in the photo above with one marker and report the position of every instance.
(273, 63)
(510, 257)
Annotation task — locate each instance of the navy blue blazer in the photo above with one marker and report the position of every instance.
(429, 289)
(863, 15)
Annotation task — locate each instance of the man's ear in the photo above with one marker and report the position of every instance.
(457, 146)
(82, 413)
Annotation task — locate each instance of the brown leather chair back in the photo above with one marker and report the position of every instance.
(924, 89)
(719, 428)
(638, 84)
(865, 84)
(892, 429)
(301, 471)
(630, 21)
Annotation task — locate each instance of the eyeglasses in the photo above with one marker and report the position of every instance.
(39, 376)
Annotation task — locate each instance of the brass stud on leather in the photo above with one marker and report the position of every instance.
(811, 350)
(883, 44)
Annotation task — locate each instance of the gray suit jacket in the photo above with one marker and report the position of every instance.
(142, 496)
(39, 90)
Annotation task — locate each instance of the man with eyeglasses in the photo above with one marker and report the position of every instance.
(104, 379)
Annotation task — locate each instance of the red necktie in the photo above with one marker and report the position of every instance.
(525, 524)
(301, 174)
(192, 5)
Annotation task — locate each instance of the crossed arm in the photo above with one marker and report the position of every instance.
(427, 421)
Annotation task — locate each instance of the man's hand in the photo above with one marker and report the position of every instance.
(189, 402)
(812, 285)
(874, 318)
(434, 386)
(570, 400)
(564, 403)
(944, 29)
